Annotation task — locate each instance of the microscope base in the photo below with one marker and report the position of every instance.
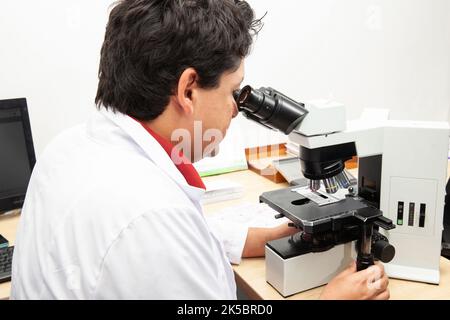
(413, 274)
(303, 272)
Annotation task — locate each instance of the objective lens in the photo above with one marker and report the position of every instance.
(343, 180)
(331, 185)
(314, 185)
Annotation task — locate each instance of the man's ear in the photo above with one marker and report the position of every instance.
(187, 83)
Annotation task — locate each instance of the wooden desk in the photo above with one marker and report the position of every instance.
(250, 274)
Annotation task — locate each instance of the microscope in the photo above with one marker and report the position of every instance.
(395, 212)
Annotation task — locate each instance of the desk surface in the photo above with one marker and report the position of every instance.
(250, 274)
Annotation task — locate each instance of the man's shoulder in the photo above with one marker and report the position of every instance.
(140, 188)
(67, 134)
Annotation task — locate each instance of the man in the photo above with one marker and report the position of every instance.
(112, 210)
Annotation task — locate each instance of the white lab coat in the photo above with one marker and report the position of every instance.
(109, 216)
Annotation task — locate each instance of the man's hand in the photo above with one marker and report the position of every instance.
(369, 284)
(258, 237)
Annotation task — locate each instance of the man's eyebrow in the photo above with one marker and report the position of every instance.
(240, 82)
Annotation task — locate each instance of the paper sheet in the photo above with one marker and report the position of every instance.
(255, 215)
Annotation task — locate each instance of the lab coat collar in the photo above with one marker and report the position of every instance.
(185, 166)
(154, 152)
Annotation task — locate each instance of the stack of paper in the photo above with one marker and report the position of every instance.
(221, 190)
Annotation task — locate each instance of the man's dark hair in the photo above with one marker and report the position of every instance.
(149, 43)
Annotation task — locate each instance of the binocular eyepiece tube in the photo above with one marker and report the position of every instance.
(270, 108)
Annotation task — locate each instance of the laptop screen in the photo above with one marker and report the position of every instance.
(16, 153)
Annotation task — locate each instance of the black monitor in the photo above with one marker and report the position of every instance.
(17, 157)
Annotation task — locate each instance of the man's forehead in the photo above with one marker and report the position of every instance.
(235, 76)
(239, 73)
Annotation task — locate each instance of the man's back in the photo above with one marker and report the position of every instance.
(101, 220)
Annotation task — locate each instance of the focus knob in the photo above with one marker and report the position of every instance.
(383, 251)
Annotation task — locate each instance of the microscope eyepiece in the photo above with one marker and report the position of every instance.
(270, 108)
(244, 95)
(236, 94)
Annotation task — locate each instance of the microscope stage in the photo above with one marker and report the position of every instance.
(313, 218)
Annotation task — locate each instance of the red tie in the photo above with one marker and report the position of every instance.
(185, 166)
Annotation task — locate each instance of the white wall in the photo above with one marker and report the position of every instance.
(366, 53)
(49, 53)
